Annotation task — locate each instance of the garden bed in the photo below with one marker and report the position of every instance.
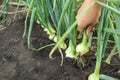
(17, 62)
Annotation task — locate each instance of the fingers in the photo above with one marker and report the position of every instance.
(90, 29)
(81, 24)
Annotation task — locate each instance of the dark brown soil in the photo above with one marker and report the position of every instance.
(17, 62)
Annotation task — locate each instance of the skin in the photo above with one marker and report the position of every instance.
(91, 18)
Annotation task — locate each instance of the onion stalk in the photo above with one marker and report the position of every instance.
(106, 77)
(50, 31)
(101, 45)
(111, 55)
(83, 47)
(70, 51)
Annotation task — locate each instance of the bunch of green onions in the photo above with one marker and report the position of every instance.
(57, 18)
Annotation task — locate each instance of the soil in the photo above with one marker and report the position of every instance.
(17, 62)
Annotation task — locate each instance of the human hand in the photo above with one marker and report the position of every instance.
(91, 18)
